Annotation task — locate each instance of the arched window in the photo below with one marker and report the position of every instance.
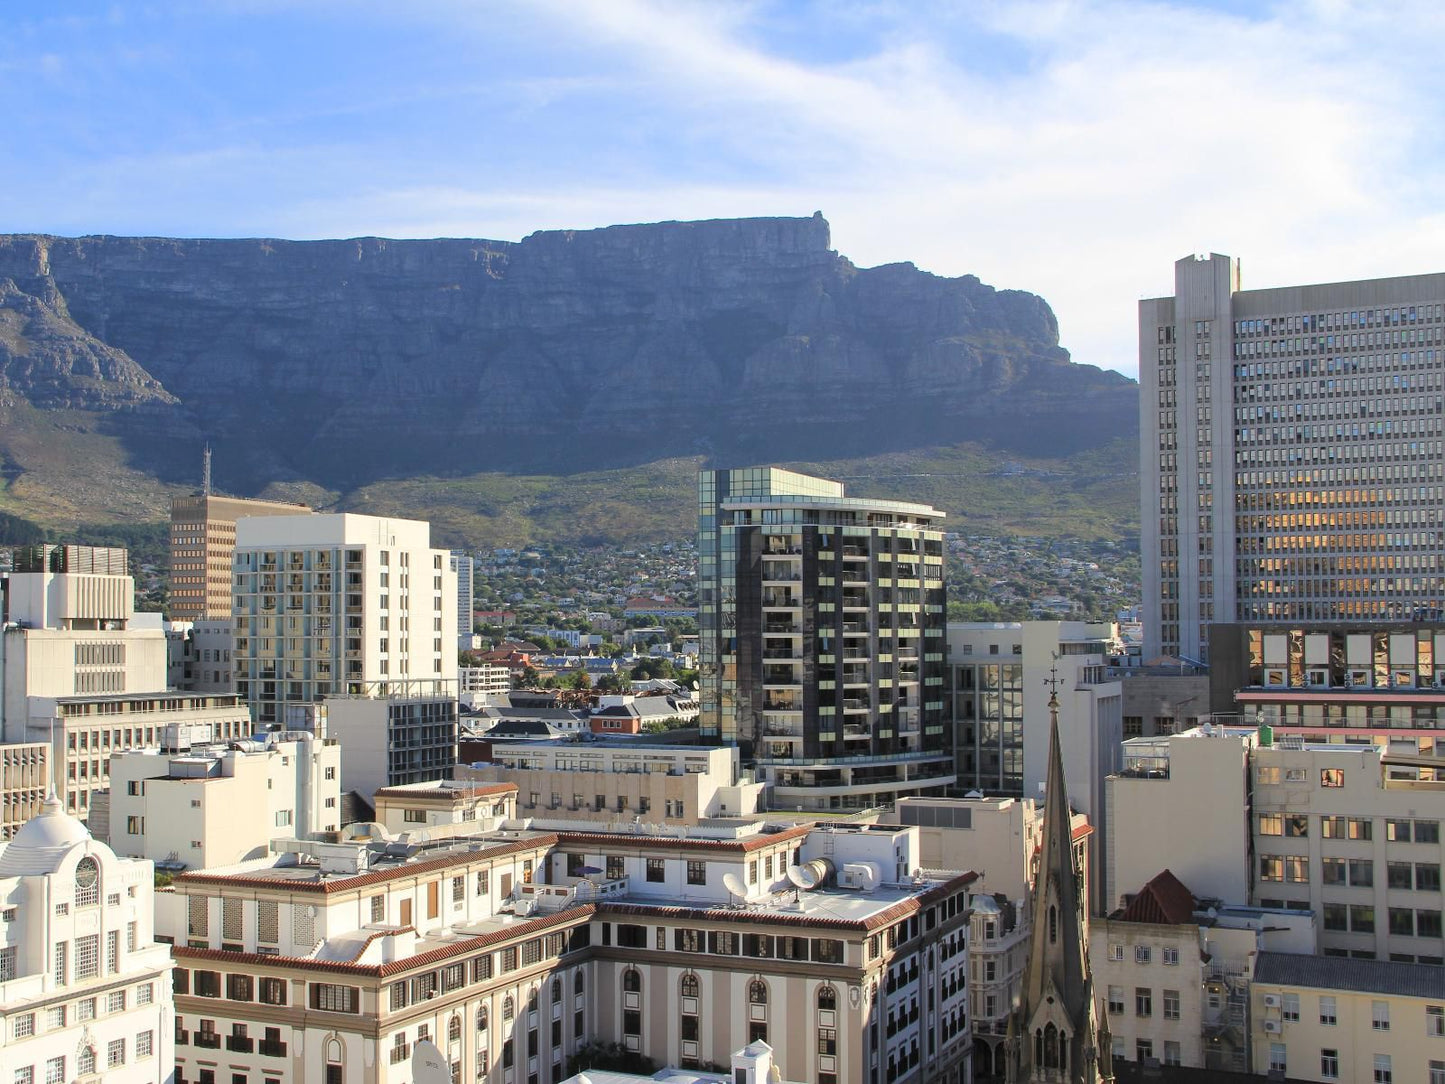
(827, 998)
(1053, 924)
(334, 1073)
(509, 1010)
(556, 991)
(758, 992)
(631, 981)
(87, 882)
(482, 1017)
(454, 1029)
(532, 1000)
(579, 983)
(689, 985)
(1051, 1047)
(86, 1060)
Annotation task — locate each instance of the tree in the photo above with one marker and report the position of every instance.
(581, 680)
(530, 677)
(612, 683)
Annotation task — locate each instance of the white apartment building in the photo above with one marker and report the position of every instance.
(628, 780)
(388, 740)
(511, 949)
(1346, 831)
(340, 604)
(483, 679)
(1332, 1020)
(1000, 678)
(85, 990)
(462, 565)
(446, 807)
(180, 809)
(1290, 452)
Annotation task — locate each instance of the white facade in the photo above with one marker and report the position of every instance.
(1201, 778)
(180, 809)
(484, 678)
(85, 990)
(387, 741)
(341, 604)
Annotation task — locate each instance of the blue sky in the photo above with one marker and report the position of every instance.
(1075, 149)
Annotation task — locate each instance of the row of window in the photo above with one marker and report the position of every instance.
(58, 1017)
(1144, 954)
(87, 1060)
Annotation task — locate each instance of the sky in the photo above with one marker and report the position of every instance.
(1073, 149)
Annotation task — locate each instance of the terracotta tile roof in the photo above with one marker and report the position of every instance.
(371, 877)
(464, 790)
(380, 971)
(1163, 900)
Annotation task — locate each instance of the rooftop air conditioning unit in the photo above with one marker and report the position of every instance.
(1271, 1001)
(1272, 1027)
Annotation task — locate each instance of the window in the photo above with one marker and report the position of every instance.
(1437, 1072)
(115, 1053)
(1427, 831)
(1143, 1050)
(1143, 1001)
(1383, 1075)
(145, 1044)
(1116, 951)
(1398, 831)
(87, 882)
(1271, 867)
(1116, 1000)
(1362, 919)
(1362, 872)
(1435, 1020)
(115, 1001)
(1427, 877)
(1297, 869)
(329, 997)
(1142, 954)
(24, 1025)
(1276, 1058)
(1380, 1015)
(1400, 875)
(1289, 1007)
(656, 870)
(55, 1071)
(696, 873)
(1271, 824)
(87, 956)
(1171, 956)
(1172, 1053)
(1171, 1004)
(1327, 1011)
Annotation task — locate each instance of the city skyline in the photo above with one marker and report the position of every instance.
(1002, 141)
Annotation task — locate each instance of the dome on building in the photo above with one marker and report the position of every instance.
(42, 842)
(985, 905)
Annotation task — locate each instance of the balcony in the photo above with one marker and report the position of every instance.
(241, 1044)
(211, 1040)
(272, 1048)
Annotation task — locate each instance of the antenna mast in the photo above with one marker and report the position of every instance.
(206, 471)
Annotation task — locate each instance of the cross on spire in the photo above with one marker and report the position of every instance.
(1053, 681)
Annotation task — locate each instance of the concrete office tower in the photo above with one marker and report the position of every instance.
(67, 632)
(203, 535)
(85, 989)
(340, 604)
(821, 629)
(465, 569)
(1290, 452)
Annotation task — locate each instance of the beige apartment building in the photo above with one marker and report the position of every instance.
(331, 605)
(445, 807)
(203, 537)
(1333, 1020)
(621, 780)
(1349, 832)
(213, 805)
(86, 731)
(24, 783)
(512, 949)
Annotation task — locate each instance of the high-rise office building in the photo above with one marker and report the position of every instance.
(203, 535)
(821, 620)
(465, 568)
(1290, 452)
(329, 605)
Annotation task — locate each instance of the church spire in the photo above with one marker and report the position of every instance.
(1054, 1029)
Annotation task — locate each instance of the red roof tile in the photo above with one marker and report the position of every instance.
(1163, 900)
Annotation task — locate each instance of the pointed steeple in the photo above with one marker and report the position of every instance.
(1055, 1021)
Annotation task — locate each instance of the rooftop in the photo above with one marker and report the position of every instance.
(1360, 976)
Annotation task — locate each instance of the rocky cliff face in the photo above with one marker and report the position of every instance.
(342, 362)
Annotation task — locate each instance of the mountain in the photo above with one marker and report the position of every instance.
(347, 369)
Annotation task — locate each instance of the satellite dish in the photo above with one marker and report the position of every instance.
(427, 1064)
(735, 885)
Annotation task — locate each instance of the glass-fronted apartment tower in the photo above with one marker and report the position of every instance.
(1291, 463)
(821, 621)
